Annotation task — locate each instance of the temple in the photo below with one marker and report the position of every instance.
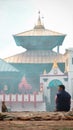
(32, 77)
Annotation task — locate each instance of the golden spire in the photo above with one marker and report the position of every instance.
(55, 65)
(39, 24)
(39, 19)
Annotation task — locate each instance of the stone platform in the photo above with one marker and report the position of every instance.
(36, 120)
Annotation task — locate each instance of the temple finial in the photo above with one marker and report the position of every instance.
(45, 72)
(55, 65)
(38, 12)
(39, 19)
(39, 25)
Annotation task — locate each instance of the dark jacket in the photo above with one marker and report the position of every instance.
(63, 101)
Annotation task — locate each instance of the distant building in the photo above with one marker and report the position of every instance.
(39, 69)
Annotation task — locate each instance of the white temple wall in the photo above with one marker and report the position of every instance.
(49, 79)
(70, 70)
(70, 83)
(50, 92)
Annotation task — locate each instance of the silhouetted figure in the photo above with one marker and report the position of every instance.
(4, 108)
(63, 99)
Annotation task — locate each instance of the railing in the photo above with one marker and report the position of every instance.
(21, 97)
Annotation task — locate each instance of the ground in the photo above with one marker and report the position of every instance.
(36, 121)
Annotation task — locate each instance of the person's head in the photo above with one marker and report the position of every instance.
(3, 102)
(61, 87)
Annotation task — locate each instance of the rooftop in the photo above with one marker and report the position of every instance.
(39, 38)
(38, 30)
(36, 56)
(5, 67)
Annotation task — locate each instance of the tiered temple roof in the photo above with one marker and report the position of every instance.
(5, 67)
(36, 56)
(39, 38)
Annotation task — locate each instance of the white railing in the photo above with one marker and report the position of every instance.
(21, 97)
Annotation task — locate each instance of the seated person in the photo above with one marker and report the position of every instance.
(4, 108)
(63, 99)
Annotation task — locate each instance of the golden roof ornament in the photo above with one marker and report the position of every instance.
(55, 65)
(44, 73)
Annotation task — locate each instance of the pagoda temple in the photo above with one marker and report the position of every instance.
(39, 55)
(39, 69)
